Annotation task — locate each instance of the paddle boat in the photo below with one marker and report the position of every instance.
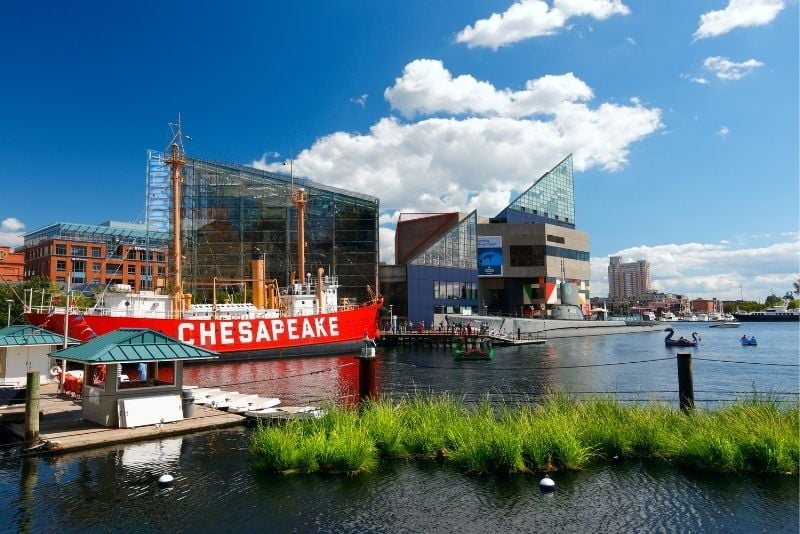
(748, 341)
(482, 350)
(680, 342)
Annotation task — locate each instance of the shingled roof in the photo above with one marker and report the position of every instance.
(130, 345)
(31, 335)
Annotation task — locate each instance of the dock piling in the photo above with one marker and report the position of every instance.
(685, 382)
(367, 387)
(32, 409)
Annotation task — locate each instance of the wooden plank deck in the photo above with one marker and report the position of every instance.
(62, 428)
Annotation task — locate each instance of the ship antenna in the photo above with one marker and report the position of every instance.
(176, 158)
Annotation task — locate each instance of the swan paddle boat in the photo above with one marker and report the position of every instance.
(680, 342)
(748, 341)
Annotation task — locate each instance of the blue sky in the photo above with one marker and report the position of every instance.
(682, 116)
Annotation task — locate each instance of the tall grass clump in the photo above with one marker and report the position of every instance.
(617, 429)
(382, 419)
(433, 424)
(550, 433)
(489, 443)
(337, 442)
(751, 435)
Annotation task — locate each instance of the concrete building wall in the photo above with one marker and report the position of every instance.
(528, 284)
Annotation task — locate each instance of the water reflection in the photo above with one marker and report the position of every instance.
(633, 366)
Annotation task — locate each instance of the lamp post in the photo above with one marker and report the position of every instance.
(9, 302)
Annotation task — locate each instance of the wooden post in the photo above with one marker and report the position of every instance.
(685, 382)
(367, 387)
(32, 409)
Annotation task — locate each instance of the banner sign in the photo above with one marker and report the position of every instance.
(490, 256)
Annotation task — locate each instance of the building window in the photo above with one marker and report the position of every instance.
(95, 268)
(61, 249)
(97, 252)
(113, 268)
(555, 239)
(526, 255)
(79, 251)
(131, 270)
(61, 265)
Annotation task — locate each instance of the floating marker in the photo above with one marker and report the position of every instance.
(165, 480)
(547, 484)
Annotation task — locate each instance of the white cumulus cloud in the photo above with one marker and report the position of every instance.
(426, 87)
(473, 152)
(738, 14)
(728, 270)
(11, 230)
(725, 69)
(534, 18)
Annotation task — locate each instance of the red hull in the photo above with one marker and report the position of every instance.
(283, 334)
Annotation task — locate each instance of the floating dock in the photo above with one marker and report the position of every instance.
(63, 429)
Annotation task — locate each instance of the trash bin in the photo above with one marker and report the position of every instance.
(187, 403)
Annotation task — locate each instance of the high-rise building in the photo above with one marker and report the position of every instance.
(626, 280)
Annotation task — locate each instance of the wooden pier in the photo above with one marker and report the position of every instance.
(62, 427)
(434, 338)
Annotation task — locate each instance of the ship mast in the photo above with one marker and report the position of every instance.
(176, 159)
(299, 201)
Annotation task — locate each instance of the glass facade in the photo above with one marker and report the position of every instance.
(444, 276)
(232, 213)
(457, 248)
(550, 199)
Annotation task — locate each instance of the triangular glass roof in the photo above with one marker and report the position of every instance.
(551, 198)
(456, 248)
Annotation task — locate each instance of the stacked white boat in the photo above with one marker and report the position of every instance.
(251, 405)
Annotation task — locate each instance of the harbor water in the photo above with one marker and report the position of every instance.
(214, 489)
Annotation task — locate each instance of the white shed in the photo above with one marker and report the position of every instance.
(26, 348)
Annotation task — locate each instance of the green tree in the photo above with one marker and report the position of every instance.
(16, 294)
(773, 300)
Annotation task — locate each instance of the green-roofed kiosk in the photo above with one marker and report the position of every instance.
(132, 377)
(25, 348)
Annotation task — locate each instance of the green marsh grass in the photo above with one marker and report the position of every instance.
(755, 435)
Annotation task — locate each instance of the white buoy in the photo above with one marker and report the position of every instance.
(547, 484)
(165, 480)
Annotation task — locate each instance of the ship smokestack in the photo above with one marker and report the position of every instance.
(320, 302)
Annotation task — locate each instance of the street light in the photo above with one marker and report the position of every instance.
(9, 302)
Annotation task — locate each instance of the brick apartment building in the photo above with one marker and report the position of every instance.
(108, 253)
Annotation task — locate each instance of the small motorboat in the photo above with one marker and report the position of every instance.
(680, 342)
(746, 341)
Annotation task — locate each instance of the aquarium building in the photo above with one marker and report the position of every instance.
(512, 264)
(232, 213)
